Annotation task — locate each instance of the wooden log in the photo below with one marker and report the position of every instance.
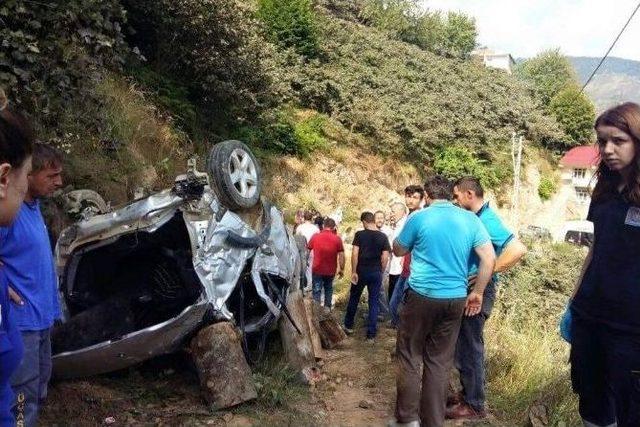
(298, 347)
(225, 375)
(316, 341)
(328, 327)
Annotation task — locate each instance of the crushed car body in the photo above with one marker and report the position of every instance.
(138, 281)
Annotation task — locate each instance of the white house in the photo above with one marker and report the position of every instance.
(577, 169)
(493, 59)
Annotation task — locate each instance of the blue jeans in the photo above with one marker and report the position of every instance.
(320, 283)
(396, 299)
(469, 356)
(30, 380)
(605, 373)
(372, 281)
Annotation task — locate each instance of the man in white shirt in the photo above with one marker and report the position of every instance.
(307, 229)
(398, 218)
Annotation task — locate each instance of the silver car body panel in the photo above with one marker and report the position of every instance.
(217, 263)
(131, 349)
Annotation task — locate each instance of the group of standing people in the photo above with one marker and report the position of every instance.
(29, 302)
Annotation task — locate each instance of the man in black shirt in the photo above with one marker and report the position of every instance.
(369, 258)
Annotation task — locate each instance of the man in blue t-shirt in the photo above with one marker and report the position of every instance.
(27, 263)
(441, 238)
(469, 357)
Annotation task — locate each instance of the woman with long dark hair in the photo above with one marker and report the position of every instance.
(605, 326)
(16, 141)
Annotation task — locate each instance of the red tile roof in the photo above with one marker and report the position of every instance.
(584, 156)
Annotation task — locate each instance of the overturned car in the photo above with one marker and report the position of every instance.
(138, 281)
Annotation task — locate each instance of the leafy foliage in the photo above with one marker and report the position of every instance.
(291, 24)
(575, 113)
(546, 187)
(456, 161)
(555, 84)
(453, 34)
(286, 132)
(548, 73)
(414, 103)
(214, 46)
(53, 52)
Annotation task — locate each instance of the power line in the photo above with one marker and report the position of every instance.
(610, 47)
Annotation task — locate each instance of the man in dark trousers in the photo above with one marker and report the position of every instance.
(328, 259)
(441, 239)
(369, 259)
(25, 253)
(469, 359)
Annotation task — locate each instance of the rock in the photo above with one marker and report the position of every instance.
(365, 404)
(350, 383)
(338, 380)
(109, 420)
(225, 376)
(537, 416)
(227, 417)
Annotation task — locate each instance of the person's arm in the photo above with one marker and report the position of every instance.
(487, 257)
(341, 260)
(585, 265)
(511, 254)
(398, 249)
(384, 259)
(355, 250)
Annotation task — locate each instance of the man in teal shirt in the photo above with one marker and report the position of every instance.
(441, 239)
(469, 357)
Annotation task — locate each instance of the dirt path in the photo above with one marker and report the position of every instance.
(358, 389)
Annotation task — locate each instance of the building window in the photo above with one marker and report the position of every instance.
(582, 194)
(579, 173)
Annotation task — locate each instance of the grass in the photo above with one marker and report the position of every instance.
(527, 361)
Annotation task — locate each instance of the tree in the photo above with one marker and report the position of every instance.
(453, 35)
(458, 36)
(575, 113)
(291, 24)
(548, 73)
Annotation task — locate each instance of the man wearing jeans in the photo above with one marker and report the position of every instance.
(328, 259)
(27, 263)
(369, 258)
(413, 198)
(469, 357)
(441, 239)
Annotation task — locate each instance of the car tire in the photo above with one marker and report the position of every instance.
(87, 199)
(235, 175)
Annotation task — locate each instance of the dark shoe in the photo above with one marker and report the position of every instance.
(464, 411)
(454, 399)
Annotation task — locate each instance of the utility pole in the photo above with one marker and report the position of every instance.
(516, 157)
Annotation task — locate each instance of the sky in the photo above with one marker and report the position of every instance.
(527, 27)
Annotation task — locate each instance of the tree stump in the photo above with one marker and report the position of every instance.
(316, 341)
(225, 375)
(298, 347)
(328, 327)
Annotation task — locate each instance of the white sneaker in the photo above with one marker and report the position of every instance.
(394, 423)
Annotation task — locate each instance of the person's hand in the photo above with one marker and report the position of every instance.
(354, 278)
(474, 304)
(13, 295)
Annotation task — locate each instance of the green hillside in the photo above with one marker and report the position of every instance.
(209, 70)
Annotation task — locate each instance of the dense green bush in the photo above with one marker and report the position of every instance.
(291, 24)
(554, 83)
(215, 47)
(456, 161)
(575, 113)
(546, 187)
(413, 103)
(53, 52)
(283, 131)
(453, 34)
